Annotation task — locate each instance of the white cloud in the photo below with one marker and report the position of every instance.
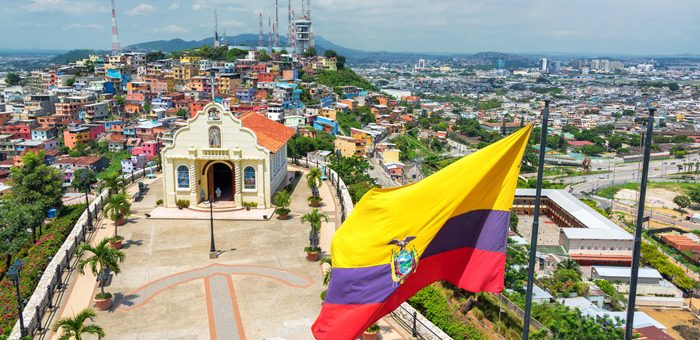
(231, 23)
(66, 6)
(172, 28)
(82, 27)
(196, 7)
(142, 9)
(174, 6)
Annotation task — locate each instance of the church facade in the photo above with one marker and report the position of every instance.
(228, 159)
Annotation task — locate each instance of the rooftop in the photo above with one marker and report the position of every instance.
(614, 271)
(271, 134)
(597, 225)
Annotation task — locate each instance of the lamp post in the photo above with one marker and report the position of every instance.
(13, 274)
(212, 247)
(87, 201)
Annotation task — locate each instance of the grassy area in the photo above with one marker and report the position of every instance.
(593, 204)
(115, 165)
(678, 187)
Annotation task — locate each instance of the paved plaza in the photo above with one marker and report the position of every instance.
(260, 287)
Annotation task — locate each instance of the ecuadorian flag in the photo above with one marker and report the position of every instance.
(450, 226)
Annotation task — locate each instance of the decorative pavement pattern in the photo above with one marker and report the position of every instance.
(222, 307)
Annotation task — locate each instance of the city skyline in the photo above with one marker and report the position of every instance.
(604, 27)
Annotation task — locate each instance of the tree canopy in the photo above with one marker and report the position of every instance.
(12, 79)
(36, 183)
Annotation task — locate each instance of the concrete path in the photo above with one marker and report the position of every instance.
(191, 214)
(224, 316)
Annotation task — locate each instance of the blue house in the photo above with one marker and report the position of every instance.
(326, 124)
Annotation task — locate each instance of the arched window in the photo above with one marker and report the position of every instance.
(249, 178)
(183, 177)
(214, 137)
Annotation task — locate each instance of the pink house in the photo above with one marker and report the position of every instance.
(149, 148)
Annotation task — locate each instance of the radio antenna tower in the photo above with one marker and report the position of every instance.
(269, 32)
(260, 35)
(115, 33)
(217, 43)
(277, 20)
(289, 24)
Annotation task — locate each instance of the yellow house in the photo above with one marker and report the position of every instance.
(391, 156)
(349, 146)
(188, 59)
(364, 136)
(185, 71)
(327, 112)
(329, 64)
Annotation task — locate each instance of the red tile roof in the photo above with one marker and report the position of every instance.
(271, 134)
(87, 160)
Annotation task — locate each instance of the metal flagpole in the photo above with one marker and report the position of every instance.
(535, 222)
(638, 228)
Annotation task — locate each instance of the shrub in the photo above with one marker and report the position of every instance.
(182, 203)
(429, 302)
(159, 202)
(101, 296)
(35, 260)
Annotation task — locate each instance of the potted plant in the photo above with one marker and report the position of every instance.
(116, 241)
(315, 218)
(248, 205)
(182, 204)
(315, 201)
(117, 208)
(371, 332)
(75, 327)
(312, 253)
(282, 200)
(103, 258)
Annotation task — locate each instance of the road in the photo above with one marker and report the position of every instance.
(622, 173)
(377, 172)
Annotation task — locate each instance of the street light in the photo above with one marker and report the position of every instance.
(87, 201)
(13, 274)
(212, 247)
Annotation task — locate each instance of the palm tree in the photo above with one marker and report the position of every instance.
(315, 217)
(103, 258)
(571, 265)
(113, 183)
(313, 179)
(282, 200)
(75, 327)
(117, 207)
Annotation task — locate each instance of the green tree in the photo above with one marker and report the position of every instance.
(282, 201)
(353, 171)
(12, 79)
(263, 56)
(113, 183)
(103, 257)
(694, 195)
(315, 218)
(678, 151)
(313, 179)
(36, 183)
(154, 56)
(70, 81)
(83, 178)
(682, 201)
(13, 230)
(73, 328)
(339, 59)
(673, 86)
(310, 52)
(592, 150)
(182, 113)
(117, 208)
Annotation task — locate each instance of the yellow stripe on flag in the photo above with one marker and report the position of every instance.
(485, 179)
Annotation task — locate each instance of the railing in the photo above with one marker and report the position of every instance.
(52, 283)
(341, 189)
(215, 153)
(414, 322)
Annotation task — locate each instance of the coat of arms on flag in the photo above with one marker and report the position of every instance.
(455, 222)
(403, 261)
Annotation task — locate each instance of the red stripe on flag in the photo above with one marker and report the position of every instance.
(468, 268)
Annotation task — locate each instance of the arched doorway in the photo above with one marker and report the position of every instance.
(220, 176)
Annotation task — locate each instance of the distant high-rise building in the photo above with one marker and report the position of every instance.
(500, 64)
(544, 65)
(421, 63)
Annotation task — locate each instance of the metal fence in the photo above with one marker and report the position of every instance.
(341, 189)
(54, 281)
(414, 322)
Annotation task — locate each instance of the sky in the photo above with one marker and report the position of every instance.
(653, 27)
